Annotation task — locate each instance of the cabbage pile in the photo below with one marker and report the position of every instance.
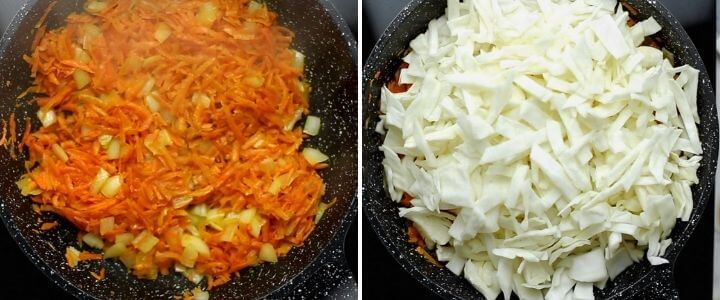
(545, 150)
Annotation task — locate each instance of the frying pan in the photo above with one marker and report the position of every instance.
(318, 266)
(640, 279)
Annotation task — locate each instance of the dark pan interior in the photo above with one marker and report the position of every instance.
(331, 69)
(391, 229)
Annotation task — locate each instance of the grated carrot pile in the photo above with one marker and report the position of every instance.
(189, 109)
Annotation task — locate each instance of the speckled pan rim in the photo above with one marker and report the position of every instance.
(312, 267)
(10, 226)
(396, 250)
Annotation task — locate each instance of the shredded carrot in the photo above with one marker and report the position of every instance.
(199, 116)
(394, 84)
(218, 281)
(98, 276)
(3, 140)
(414, 236)
(12, 137)
(427, 256)
(45, 14)
(48, 225)
(84, 255)
(405, 201)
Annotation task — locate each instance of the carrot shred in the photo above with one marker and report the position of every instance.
(405, 201)
(98, 276)
(3, 140)
(200, 115)
(48, 225)
(84, 255)
(427, 256)
(12, 136)
(45, 14)
(414, 236)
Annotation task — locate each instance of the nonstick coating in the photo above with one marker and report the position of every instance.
(391, 229)
(328, 44)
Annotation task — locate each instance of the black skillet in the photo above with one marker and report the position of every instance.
(317, 268)
(640, 279)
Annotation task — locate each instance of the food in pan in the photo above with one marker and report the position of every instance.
(541, 147)
(168, 136)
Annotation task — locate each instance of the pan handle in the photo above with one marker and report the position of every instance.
(660, 285)
(333, 277)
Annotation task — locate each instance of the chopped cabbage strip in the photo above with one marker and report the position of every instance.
(543, 149)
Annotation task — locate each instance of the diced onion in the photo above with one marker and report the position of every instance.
(180, 268)
(256, 226)
(193, 230)
(27, 186)
(267, 253)
(228, 233)
(189, 257)
(304, 88)
(194, 276)
(81, 55)
(247, 215)
(100, 179)
(200, 210)
(320, 211)
(312, 125)
(207, 14)
(298, 60)
(116, 250)
(112, 186)
(151, 103)
(148, 87)
(128, 258)
(201, 99)
(106, 225)
(314, 156)
(95, 6)
(162, 32)
(105, 140)
(181, 202)
(164, 138)
(201, 295)
(296, 117)
(73, 256)
(59, 152)
(157, 143)
(88, 33)
(113, 149)
(214, 218)
(276, 185)
(195, 243)
(82, 78)
(47, 118)
(93, 241)
(124, 238)
(254, 6)
(145, 241)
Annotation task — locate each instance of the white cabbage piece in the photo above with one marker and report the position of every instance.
(544, 149)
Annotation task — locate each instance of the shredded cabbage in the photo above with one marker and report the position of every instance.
(543, 148)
